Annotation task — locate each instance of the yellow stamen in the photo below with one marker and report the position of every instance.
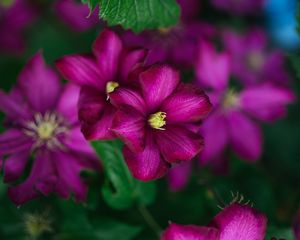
(255, 61)
(164, 31)
(111, 86)
(36, 225)
(46, 130)
(157, 120)
(231, 99)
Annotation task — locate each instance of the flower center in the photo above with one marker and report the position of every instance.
(111, 86)
(255, 61)
(231, 99)
(164, 31)
(157, 120)
(44, 129)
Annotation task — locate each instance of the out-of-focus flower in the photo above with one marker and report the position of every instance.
(252, 61)
(234, 222)
(233, 121)
(179, 175)
(296, 225)
(241, 7)
(100, 74)
(14, 18)
(175, 45)
(282, 23)
(159, 126)
(75, 15)
(42, 122)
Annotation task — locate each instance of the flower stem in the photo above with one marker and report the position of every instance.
(149, 220)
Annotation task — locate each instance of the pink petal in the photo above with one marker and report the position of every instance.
(130, 127)
(107, 48)
(14, 166)
(212, 68)
(178, 144)
(81, 70)
(131, 59)
(246, 139)
(67, 104)
(157, 83)
(240, 222)
(13, 141)
(266, 102)
(187, 104)
(91, 104)
(69, 180)
(147, 165)
(190, 232)
(40, 84)
(179, 175)
(124, 97)
(42, 179)
(215, 133)
(11, 106)
(100, 130)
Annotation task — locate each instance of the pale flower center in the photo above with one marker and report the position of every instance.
(231, 99)
(157, 120)
(111, 86)
(44, 129)
(255, 61)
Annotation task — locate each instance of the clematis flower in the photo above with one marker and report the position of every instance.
(252, 61)
(159, 123)
(244, 108)
(240, 7)
(234, 222)
(99, 74)
(175, 45)
(75, 15)
(42, 124)
(15, 16)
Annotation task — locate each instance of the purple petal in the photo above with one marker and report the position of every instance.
(240, 222)
(12, 107)
(179, 175)
(178, 144)
(40, 84)
(212, 68)
(246, 139)
(266, 103)
(91, 104)
(189, 9)
(100, 130)
(130, 127)
(107, 48)
(42, 179)
(13, 141)
(215, 133)
(157, 83)
(81, 70)
(75, 15)
(131, 59)
(190, 232)
(14, 166)
(147, 165)
(67, 104)
(187, 104)
(69, 180)
(124, 97)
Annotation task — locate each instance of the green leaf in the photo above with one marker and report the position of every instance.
(121, 190)
(138, 14)
(91, 3)
(279, 233)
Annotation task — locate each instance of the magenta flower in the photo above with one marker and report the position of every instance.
(159, 125)
(189, 9)
(241, 7)
(75, 15)
(179, 175)
(252, 61)
(99, 74)
(13, 20)
(42, 122)
(263, 102)
(234, 222)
